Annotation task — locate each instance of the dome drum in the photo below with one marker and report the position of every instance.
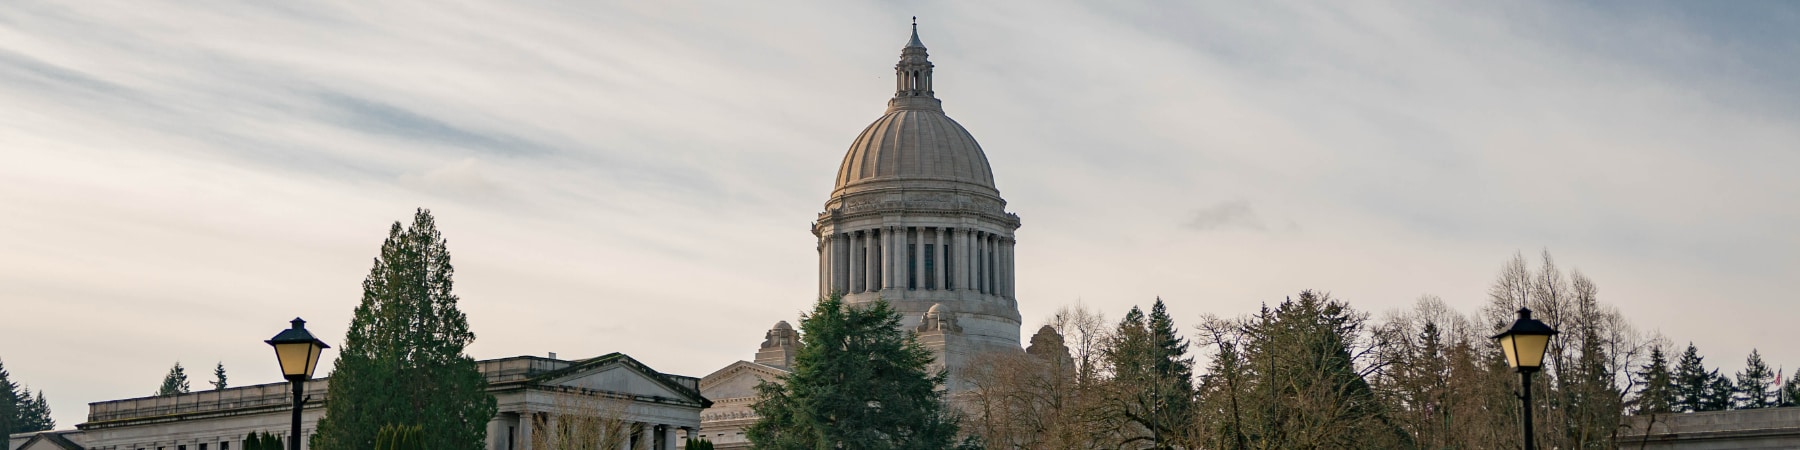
(914, 219)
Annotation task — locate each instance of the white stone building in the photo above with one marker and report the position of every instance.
(663, 408)
(914, 219)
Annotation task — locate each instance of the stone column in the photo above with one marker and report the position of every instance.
(633, 432)
(840, 261)
(871, 266)
(525, 422)
(962, 252)
(824, 265)
(981, 263)
(856, 263)
(668, 437)
(940, 255)
(987, 265)
(496, 432)
(1011, 276)
(887, 257)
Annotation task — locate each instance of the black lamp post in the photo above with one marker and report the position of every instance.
(298, 352)
(1525, 344)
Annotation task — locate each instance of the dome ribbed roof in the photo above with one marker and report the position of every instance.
(915, 144)
(915, 140)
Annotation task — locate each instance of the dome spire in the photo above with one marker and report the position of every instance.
(914, 42)
(912, 76)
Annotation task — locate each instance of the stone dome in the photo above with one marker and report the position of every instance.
(917, 144)
(914, 140)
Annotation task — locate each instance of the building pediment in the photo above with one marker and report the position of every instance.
(738, 380)
(620, 374)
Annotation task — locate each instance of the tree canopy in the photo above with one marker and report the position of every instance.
(403, 361)
(859, 382)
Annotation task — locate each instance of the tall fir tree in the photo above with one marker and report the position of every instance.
(1720, 392)
(1692, 381)
(9, 401)
(1154, 376)
(1753, 391)
(176, 382)
(1656, 389)
(859, 382)
(402, 361)
(218, 381)
(33, 413)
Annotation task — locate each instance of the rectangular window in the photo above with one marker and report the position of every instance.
(949, 269)
(912, 267)
(202, 446)
(224, 446)
(930, 263)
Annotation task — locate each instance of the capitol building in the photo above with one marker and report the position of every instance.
(914, 219)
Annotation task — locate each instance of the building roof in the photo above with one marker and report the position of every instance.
(915, 140)
(50, 440)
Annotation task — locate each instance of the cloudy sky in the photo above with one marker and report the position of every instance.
(178, 181)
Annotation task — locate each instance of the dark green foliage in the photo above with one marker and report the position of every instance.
(400, 437)
(698, 444)
(1720, 392)
(1154, 377)
(34, 413)
(176, 382)
(1753, 389)
(263, 441)
(859, 382)
(402, 360)
(1790, 392)
(1692, 381)
(9, 402)
(1656, 389)
(218, 381)
(1304, 380)
(20, 410)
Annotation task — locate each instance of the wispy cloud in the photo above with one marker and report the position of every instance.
(218, 168)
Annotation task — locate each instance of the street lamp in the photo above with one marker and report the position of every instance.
(298, 351)
(1524, 345)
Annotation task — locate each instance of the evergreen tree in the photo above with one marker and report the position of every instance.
(859, 382)
(402, 361)
(1153, 376)
(9, 402)
(176, 382)
(33, 413)
(1692, 381)
(218, 381)
(1753, 390)
(1656, 390)
(1790, 392)
(1720, 392)
(1306, 389)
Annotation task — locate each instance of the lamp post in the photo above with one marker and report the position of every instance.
(298, 351)
(1525, 344)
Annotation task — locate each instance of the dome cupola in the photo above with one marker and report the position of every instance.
(914, 140)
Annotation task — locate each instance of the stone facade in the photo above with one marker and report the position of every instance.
(663, 408)
(915, 220)
(1768, 428)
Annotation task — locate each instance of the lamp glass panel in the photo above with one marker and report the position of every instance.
(1531, 349)
(1512, 351)
(294, 357)
(312, 359)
